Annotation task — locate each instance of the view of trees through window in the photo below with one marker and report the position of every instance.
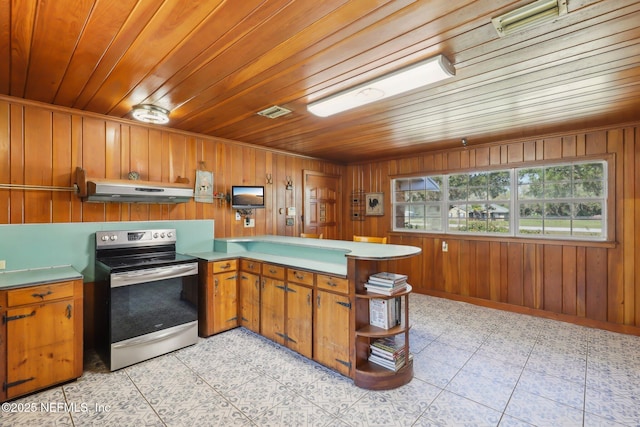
(566, 200)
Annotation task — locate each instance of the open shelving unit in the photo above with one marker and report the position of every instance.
(366, 374)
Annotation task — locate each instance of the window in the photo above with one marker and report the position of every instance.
(480, 202)
(418, 204)
(563, 201)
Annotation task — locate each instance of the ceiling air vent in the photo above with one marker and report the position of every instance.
(528, 16)
(273, 112)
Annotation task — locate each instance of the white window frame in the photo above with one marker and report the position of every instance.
(514, 203)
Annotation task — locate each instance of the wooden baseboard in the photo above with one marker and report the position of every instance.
(613, 327)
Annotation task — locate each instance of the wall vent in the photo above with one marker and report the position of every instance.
(273, 112)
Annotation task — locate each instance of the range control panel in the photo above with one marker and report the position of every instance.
(134, 238)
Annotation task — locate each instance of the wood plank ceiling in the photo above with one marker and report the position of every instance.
(214, 64)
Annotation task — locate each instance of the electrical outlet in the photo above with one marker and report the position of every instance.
(238, 217)
(249, 222)
(445, 247)
(3, 264)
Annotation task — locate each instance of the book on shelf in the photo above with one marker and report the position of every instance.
(392, 345)
(390, 364)
(387, 279)
(385, 290)
(384, 313)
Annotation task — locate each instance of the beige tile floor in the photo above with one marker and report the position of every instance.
(473, 367)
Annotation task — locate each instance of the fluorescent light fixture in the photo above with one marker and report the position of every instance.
(148, 113)
(412, 77)
(530, 15)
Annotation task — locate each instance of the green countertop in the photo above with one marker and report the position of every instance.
(322, 255)
(37, 276)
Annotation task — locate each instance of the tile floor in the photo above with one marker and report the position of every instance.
(473, 367)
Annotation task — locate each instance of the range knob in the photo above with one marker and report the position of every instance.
(113, 237)
(162, 235)
(104, 238)
(155, 235)
(169, 234)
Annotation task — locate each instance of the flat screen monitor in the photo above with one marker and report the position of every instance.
(247, 197)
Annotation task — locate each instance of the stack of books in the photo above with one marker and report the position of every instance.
(389, 352)
(386, 283)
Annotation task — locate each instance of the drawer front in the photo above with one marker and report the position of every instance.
(251, 266)
(275, 271)
(35, 294)
(300, 276)
(332, 283)
(227, 265)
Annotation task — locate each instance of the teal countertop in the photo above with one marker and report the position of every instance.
(37, 276)
(322, 255)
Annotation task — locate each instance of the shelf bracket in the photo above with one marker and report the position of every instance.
(346, 304)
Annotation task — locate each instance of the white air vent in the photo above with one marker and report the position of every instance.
(273, 112)
(528, 16)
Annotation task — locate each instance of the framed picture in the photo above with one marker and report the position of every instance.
(374, 204)
(204, 186)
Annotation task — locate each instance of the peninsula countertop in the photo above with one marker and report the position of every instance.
(322, 255)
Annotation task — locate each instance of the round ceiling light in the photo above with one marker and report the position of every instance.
(150, 114)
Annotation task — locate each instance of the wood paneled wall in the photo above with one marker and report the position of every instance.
(42, 145)
(589, 283)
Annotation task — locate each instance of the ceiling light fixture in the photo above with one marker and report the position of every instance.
(148, 113)
(412, 77)
(530, 15)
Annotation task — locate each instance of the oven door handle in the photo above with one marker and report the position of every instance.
(153, 274)
(154, 337)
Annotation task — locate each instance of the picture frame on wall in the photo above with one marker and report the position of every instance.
(374, 204)
(204, 186)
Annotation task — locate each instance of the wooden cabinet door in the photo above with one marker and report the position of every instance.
(225, 301)
(250, 301)
(272, 310)
(300, 319)
(41, 346)
(331, 335)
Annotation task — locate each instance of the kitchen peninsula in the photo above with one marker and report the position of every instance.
(307, 295)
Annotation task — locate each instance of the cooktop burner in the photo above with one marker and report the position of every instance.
(131, 262)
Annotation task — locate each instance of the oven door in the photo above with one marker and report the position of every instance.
(152, 311)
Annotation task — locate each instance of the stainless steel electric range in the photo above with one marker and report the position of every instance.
(146, 296)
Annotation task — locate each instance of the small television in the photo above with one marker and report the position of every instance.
(247, 196)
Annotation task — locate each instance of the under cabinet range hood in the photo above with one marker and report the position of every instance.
(132, 191)
(136, 191)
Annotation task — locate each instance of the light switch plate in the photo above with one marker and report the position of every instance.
(3, 264)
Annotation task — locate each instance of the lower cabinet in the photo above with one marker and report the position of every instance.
(308, 312)
(250, 301)
(286, 311)
(43, 329)
(218, 297)
(331, 334)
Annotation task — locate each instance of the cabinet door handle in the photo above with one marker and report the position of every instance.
(330, 283)
(318, 300)
(42, 295)
(272, 271)
(215, 284)
(298, 275)
(309, 299)
(227, 265)
(69, 311)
